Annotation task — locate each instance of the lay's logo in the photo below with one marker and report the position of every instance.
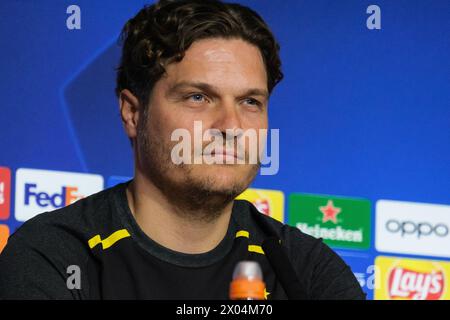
(414, 285)
(412, 279)
(268, 202)
(42, 190)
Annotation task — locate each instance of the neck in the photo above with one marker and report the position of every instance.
(171, 225)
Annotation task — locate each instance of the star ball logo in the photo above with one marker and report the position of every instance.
(340, 222)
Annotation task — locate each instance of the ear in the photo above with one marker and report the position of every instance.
(129, 112)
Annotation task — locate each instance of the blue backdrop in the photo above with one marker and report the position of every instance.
(362, 113)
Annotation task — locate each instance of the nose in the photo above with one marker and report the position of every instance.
(228, 117)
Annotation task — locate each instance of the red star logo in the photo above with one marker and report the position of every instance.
(330, 212)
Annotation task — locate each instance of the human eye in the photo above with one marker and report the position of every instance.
(196, 97)
(253, 102)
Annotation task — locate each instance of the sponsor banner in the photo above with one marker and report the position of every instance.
(363, 268)
(413, 228)
(412, 279)
(4, 234)
(5, 193)
(340, 222)
(269, 202)
(38, 191)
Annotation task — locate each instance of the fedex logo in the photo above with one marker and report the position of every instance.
(66, 196)
(38, 191)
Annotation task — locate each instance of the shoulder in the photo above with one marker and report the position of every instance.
(304, 251)
(323, 272)
(36, 259)
(76, 222)
(263, 226)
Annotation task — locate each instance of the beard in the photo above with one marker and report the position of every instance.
(197, 194)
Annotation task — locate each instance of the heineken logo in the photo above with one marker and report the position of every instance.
(330, 212)
(340, 222)
(337, 233)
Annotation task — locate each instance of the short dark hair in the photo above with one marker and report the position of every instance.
(162, 32)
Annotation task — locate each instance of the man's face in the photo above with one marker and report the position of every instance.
(223, 84)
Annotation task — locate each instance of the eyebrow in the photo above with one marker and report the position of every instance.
(210, 88)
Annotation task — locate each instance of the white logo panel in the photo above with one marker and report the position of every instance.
(38, 191)
(413, 228)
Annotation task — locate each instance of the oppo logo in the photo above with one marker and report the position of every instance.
(419, 229)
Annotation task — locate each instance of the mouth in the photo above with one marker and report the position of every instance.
(225, 154)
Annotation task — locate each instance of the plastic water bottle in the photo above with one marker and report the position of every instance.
(247, 283)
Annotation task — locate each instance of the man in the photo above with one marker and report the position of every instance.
(175, 230)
